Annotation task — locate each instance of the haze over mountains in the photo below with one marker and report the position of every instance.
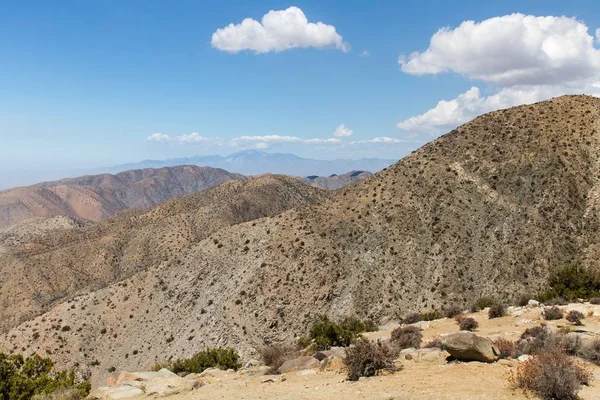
(253, 162)
(488, 209)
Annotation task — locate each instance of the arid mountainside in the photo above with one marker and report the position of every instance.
(96, 197)
(489, 208)
(335, 182)
(50, 267)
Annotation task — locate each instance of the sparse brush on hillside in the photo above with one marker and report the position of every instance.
(467, 323)
(572, 282)
(210, 358)
(23, 378)
(366, 358)
(274, 356)
(405, 337)
(325, 333)
(497, 310)
(575, 317)
(551, 374)
(483, 302)
(552, 313)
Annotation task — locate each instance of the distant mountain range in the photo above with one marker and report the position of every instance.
(253, 162)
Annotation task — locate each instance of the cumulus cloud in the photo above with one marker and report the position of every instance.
(365, 53)
(277, 31)
(343, 131)
(159, 137)
(383, 140)
(525, 59)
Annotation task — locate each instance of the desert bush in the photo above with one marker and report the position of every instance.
(533, 339)
(506, 347)
(572, 282)
(210, 358)
(483, 302)
(552, 313)
(497, 310)
(274, 356)
(591, 352)
(453, 311)
(551, 374)
(595, 300)
(556, 301)
(467, 324)
(431, 316)
(23, 378)
(575, 317)
(523, 299)
(325, 333)
(366, 358)
(405, 337)
(412, 318)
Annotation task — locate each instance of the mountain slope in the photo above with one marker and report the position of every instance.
(54, 266)
(96, 197)
(488, 209)
(334, 182)
(252, 162)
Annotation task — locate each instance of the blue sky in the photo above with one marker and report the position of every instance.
(84, 84)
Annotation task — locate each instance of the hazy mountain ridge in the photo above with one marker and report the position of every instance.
(253, 162)
(488, 209)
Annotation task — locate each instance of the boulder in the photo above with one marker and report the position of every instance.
(467, 346)
(162, 387)
(298, 364)
(533, 303)
(116, 393)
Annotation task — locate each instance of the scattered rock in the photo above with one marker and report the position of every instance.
(116, 393)
(533, 303)
(272, 378)
(467, 346)
(298, 364)
(252, 363)
(524, 358)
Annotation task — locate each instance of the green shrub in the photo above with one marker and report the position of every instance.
(483, 302)
(210, 358)
(572, 282)
(23, 378)
(497, 310)
(431, 316)
(325, 333)
(366, 358)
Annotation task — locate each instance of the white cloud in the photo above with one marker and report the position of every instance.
(598, 35)
(277, 31)
(159, 137)
(343, 131)
(383, 140)
(525, 58)
(365, 53)
(511, 50)
(244, 140)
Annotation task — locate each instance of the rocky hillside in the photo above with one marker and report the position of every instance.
(489, 208)
(97, 197)
(334, 181)
(43, 269)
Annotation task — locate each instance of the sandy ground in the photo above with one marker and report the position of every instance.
(431, 379)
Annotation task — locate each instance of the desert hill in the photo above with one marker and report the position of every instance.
(334, 182)
(96, 197)
(39, 272)
(489, 208)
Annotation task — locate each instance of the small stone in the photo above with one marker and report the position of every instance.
(524, 358)
(533, 303)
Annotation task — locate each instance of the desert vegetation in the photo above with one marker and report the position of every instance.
(210, 358)
(325, 333)
(25, 378)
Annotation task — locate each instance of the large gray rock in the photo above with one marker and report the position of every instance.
(298, 364)
(467, 346)
(116, 393)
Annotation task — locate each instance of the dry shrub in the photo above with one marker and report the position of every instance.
(506, 347)
(523, 299)
(575, 317)
(453, 311)
(274, 356)
(595, 300)
(412, 318)
(497, 310)
(552, 313)
(556, 301)
(533, 339)
(366, 358)
(591, 352)
(467, 324)
(435, 343)
(551, 374)
(407, 336)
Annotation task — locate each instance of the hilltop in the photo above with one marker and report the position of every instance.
(487, 209)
